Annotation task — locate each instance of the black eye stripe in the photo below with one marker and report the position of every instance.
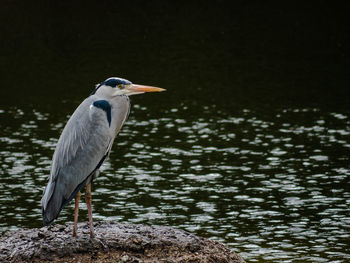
(114, 82)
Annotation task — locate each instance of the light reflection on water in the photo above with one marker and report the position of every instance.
(272, 187)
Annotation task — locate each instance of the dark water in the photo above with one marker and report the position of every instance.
(250, 144)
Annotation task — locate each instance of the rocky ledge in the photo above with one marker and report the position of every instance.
(113, 242)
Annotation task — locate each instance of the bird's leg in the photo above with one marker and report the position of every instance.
(88, 202)
(76, 211)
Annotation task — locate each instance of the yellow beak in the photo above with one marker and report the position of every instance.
(143, 88)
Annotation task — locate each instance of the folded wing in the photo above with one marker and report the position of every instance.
(84, 144)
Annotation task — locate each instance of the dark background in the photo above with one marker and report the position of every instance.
(249, 145)
(223, 52)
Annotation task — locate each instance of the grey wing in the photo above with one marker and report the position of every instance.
(81, 149)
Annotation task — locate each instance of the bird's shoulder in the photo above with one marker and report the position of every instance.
(85, 136)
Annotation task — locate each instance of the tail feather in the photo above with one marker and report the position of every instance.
(49, 215)
(51, 204)
(55, 199)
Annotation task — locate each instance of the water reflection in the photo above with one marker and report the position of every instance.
(275, 188)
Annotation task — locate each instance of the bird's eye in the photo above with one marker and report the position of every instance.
(121, 86)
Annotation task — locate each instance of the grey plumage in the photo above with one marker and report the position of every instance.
(84, 144)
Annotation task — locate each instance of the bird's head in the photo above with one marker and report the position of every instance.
(117, 86)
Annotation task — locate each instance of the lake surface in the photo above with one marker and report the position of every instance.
(249, 145)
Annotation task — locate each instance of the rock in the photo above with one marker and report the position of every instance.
(113, 242)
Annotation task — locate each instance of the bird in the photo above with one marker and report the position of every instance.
(84, 145)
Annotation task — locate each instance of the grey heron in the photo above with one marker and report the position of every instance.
(84, 144)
